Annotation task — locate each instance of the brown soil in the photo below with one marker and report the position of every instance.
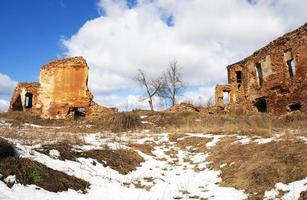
(31, 172)
(258, 167)
(121, 160)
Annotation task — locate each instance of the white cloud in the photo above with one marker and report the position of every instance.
(4, 105)
(198, 97)
(126, 103)
(6, 84)
(206, 37)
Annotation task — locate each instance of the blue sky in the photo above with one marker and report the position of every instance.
(30, 32)
(118, 37)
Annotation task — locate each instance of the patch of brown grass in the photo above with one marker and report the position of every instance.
(65, 150)
(31, 172)
(193, 144)
(41, 135)
(258, 167)
(146, 148)
(118, 122)
(121, 160)
(303, 195)
(6, 149)
(172, 153)
(17, 118)
(175, 136)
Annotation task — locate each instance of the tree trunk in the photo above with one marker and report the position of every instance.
(150, 104)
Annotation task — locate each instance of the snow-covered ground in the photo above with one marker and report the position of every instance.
(161, 176)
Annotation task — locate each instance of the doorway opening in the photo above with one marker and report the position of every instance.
(225, 97)
(261, 105)
(28, 100)
(17, 105)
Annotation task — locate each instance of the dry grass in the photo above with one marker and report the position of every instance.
(303, 195)
(17, 118)
(121, 160)
(247, 123)
(6, 149)
(146, 148)
(193, 144)
(31, 172)
(117, 122)
(65, 150)
(258, 167)
(42, 136)
(175, 136)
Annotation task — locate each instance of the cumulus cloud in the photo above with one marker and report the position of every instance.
(129, 102)
(4, 104)
(203, 36)
(6, 84)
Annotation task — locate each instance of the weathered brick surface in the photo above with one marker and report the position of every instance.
(278, 89)
(61, 93)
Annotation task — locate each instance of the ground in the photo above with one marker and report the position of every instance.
(148, 164)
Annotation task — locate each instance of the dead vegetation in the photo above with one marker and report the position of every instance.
(117, 122)
(6, 149)
(32, 135)
(121, 160)
(193, 144)
(29, 172)
(17, 118)
(244, 123)
(303, 195)
(258, 167)
(66, 150)
(190, 143)
(146, 148)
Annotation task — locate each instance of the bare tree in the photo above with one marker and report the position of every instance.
(152, 87)
(173, 83)
(210, 102)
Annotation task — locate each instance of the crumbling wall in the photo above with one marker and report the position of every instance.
(25, 98)
(219, 94)
(64, 87)
(274, 78)
(95, 110)
(61, 93)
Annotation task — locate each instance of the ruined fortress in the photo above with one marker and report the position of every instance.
(62, 92)
(273, 79)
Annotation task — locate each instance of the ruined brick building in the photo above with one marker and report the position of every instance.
(62, 92)
(273, 79)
